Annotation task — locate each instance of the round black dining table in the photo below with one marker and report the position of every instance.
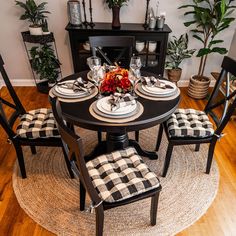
(155, 112)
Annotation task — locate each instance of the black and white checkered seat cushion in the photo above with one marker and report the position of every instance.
(189, 123)
(38, 123)
(121, 175)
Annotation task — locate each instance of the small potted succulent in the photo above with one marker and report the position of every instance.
(45, 64)
(115, 5)
(34, 14)
(177, 51)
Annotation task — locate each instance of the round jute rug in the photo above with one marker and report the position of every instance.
(51, 198)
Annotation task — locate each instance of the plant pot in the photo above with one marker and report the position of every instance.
(116, 17)
(174, 74)
(43, 87)
(198, 86)
(35, 30)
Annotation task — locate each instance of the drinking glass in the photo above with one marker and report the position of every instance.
(95, 66)
(135, 66)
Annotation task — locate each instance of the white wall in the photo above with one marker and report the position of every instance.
(14, 55)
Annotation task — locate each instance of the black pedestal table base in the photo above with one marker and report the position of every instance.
(116, 141)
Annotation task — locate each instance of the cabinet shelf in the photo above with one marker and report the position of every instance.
(40, 39)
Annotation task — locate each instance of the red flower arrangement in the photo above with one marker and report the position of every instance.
(116, 81)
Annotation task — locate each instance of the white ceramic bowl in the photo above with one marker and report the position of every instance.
(139, 46)
(152, 46)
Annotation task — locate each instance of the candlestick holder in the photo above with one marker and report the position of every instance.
(85, 23)
(145, 25)
(91, 14)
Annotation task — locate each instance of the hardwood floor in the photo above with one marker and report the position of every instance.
(220, 219)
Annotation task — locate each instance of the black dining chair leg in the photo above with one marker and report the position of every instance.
(99, 220)
(167, 159)
(137, 136)
(197, 147)
(159, 137)
(99, 136)
(68, 165)
(21, 161)
(33, 149)
(153, 210)
(210, 156)
(82, 196)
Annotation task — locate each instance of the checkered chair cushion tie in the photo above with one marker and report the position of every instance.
(38, 123)
(121, 175)
(189, 123)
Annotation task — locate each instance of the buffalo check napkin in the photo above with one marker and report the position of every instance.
(118, 100)
(154, 82)
(77, 86)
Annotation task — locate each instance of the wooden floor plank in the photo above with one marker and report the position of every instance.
(220, 219)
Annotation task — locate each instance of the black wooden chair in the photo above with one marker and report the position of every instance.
(111, 180)
(189, 126)
(114, 50)
(36, 127)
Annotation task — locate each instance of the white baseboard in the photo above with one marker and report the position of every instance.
(23, 82)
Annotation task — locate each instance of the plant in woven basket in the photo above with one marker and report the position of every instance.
(209, 18)
(34, 14)
(177, 51)
(116, 81)
(44, 63)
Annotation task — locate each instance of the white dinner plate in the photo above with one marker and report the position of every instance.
(69, 92)
(141, 90)
(104, 106)
(160, 91)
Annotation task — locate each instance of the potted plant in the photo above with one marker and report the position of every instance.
(209, 19)
(45, 64)
(115, 5)
(177, 51)
(34, 14)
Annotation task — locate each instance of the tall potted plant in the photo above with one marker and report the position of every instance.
(115, 5)
(45, 64)
(209, 18)
(34, 14)
(177, 51)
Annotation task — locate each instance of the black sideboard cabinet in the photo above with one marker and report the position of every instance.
(153, 61)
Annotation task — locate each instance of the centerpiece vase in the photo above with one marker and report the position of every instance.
(116, 17)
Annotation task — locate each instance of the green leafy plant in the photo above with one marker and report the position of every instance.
(33, 13)
(116, 3)
(210, 17)
(45, 63)
(177, 51)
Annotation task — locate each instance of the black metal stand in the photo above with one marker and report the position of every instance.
(145, 25)
(91, 14)
(28, 40)
(85, 23)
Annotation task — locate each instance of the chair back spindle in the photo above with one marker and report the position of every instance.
(229, 98)
(18, 108)
(73, 145)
